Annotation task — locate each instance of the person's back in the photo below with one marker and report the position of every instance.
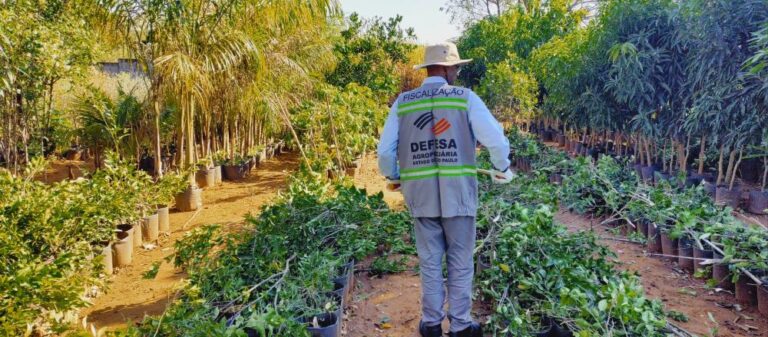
(428, 147)
(436, 151)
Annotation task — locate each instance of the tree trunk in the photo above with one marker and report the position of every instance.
(736, 169)
(702, 153)
(190, 125)
(648, 152)
(720, 165)
(731, 162)
(664, 162)
(296, 139)
(671, 166)
(682, 155)
(637, 152)
(156, 142)
(765, 173)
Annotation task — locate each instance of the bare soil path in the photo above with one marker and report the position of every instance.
(678, 291)
(391, 299)
(129, 296)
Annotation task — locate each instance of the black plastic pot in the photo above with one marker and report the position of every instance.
(668, 246)
(711, 189)
(758, 202)
(654, 239)
(762, 299)
(638, 169)
(547, 136)
(235, 172)
(251, 332)
(483, 262)
(340, 289)
(555, 178)
(647, 174)
(328, 325)
(551, 328)
(751, 170)
(721, 272)
(663, 176)
(342, 282)
(693, 180)
(699, 255)
(642, 228)
(746, 288)
(728, 197)
(685, 254)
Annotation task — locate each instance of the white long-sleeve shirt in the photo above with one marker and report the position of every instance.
(483, 125)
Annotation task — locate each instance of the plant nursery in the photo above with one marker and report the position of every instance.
(197, 168)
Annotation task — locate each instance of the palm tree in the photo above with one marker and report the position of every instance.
(261, 56)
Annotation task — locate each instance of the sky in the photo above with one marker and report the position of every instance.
(429, 23)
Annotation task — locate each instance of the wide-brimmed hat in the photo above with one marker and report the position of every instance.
(442, 54)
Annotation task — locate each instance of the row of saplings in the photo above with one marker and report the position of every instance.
(545, 281)
(677, 219)
(287, 272)
(655, 164)
(133, 235)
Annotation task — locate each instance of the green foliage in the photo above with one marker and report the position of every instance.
(168, 186)
(728, 101)
(367, 53)
(513, 36)
(152, 272)
(512, 93)
(336, 128)
(40, 45)
(108, 124)
(282, 264)
(539, 270)
(49, 235)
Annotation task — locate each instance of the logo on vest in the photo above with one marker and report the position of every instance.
(423, 120)
(426, 118)
(441, 126)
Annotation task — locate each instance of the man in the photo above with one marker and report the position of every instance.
(428, 148)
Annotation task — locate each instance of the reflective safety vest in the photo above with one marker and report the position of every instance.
(436, 151)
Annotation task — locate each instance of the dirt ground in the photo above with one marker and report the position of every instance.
(395, 299)
(678, 291)
(59, 170)
(392, 299)
(129, 296)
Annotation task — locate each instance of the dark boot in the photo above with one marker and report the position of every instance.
(474, 330)
(430, 331)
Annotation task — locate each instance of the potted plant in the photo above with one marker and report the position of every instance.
(235, 168)
(166, 189)
(205, 176)
(191, 198)
(762, 296)
(218, 159)
(123, 245)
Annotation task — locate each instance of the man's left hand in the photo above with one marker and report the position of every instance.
(393, 185)
(502, 177)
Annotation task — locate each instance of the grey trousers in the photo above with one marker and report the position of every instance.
(453, 238)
